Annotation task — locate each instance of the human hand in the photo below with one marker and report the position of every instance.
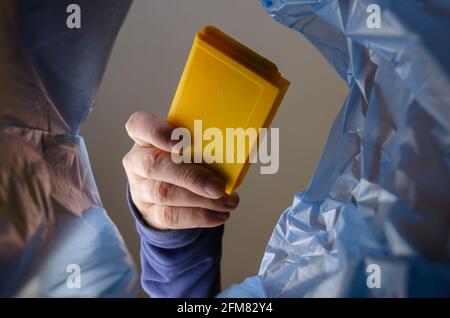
(169, 195)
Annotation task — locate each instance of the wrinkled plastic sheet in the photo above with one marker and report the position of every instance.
(51, 215)
(380, 193)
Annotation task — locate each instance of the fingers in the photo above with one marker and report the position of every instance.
(162, 193)
(177, 218)
(170, 195)
(147, 129)
(154, 164)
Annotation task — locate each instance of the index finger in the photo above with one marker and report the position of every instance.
(147, 129)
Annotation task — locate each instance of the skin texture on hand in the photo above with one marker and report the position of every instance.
(168, 195)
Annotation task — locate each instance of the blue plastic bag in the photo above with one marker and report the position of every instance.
(56, 240)
(375, 218)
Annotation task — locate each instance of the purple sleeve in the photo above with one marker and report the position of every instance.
(182, 263)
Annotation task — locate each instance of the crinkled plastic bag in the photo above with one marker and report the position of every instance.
(55, 237)
(380, 195)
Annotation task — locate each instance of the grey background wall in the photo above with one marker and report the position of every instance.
(143, 74)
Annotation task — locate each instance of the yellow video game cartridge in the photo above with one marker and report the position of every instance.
(226, 86)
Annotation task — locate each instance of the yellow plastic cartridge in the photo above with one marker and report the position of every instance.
(225, 88)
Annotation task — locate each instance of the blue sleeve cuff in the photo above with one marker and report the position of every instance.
(170, 239)
(179, 263)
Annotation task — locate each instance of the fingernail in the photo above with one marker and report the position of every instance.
(214, 186)
(232, 200)
(223, 216)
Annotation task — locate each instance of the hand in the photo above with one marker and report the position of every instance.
(169, 195)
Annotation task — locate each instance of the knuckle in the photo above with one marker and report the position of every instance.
(151, 163)
(126, 160)
(135, 197)
(162, 192)
(190, 177)
(169, 217)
